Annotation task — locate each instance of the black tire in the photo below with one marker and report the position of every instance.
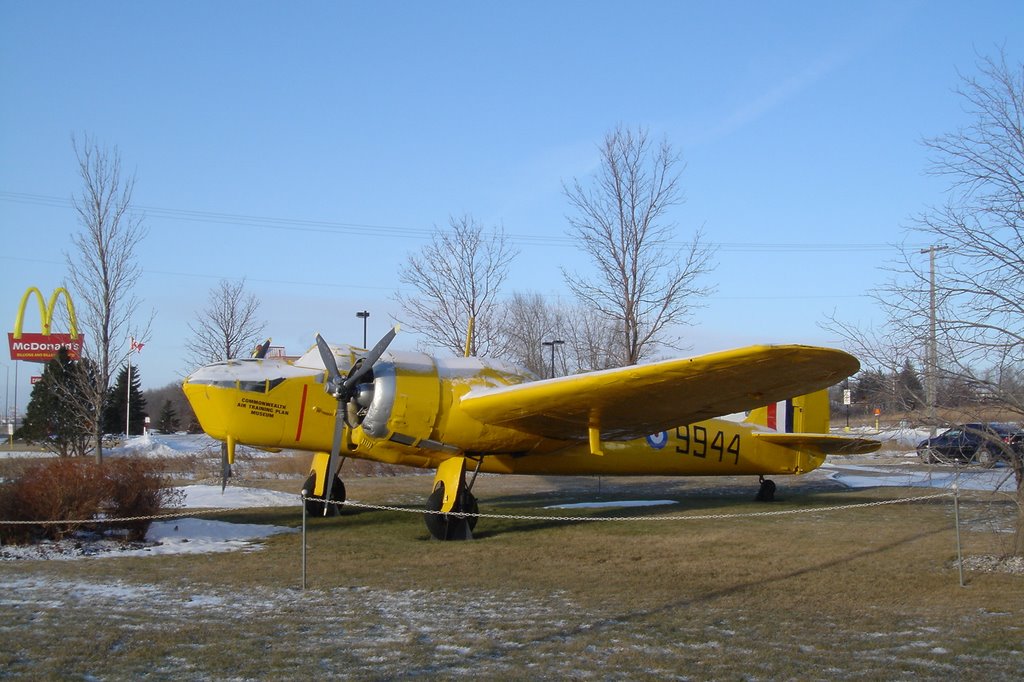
(449, 526)
(766, 493)
(315, 507)
(985, 458)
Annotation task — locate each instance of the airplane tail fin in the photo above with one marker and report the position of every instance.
(803, 423)
(803, 414)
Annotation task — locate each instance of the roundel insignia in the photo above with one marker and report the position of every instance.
(658, 440)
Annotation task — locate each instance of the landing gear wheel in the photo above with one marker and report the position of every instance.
(450, 526)
(766, 492)
(315, 506)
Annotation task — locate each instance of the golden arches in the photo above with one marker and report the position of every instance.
(46, 311)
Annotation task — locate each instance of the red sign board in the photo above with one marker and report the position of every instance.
(35, 380)
(44, 347)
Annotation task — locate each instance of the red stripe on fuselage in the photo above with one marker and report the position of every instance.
(773, 416)
(302, 412)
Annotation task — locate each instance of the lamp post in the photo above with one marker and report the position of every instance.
(363, 314)
(556, 342)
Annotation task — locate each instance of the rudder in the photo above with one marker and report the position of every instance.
(803, 414)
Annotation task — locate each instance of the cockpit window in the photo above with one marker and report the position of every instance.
(253, 386)
(256, 386)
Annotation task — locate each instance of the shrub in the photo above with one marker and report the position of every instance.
(79, 492)
(137, 488)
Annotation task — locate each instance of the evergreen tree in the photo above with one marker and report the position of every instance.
(168, 420)
(52, 417)
(908, 383)
(870, 388)
(114, 409)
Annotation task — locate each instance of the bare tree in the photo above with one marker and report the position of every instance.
(529, 322)
(458, 276)
(592, 342)
(587, 342)
(102, 268)
(975, 258)
(644, 283)
(227, 327)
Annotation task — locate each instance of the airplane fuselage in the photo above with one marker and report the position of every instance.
(414, 419)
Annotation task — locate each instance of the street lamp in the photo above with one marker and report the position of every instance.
(556, 342)
(363, 314)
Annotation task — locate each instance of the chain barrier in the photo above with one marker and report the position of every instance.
(124, 519)
(514, 517)
(673, 517)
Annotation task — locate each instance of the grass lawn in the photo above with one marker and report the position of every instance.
(866, 593)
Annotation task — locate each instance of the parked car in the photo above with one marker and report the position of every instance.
(975, 443)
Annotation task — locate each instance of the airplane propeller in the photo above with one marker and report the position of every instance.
(343, 390)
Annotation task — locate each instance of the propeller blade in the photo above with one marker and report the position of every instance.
(342, 390)
(327, 355)
(366, 362)
(333, 462)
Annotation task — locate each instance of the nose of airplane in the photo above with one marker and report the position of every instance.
(210, 402)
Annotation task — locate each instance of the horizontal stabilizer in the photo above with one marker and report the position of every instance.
(823, 443)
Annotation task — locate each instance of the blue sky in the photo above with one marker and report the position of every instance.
(330, 137)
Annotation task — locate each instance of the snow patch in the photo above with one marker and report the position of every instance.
(613, 504)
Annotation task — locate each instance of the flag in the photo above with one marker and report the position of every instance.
(136, 345)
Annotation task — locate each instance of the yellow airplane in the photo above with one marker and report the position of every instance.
(473, 414)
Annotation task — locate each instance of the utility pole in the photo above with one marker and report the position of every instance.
(556, 342)
(932, 369)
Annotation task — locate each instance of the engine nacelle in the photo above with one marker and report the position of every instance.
(406, 398)
(416, 397)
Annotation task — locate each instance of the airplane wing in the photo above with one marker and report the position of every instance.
(632, 402)
(823, 443)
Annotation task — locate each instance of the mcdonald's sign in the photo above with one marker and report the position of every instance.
(43, 346)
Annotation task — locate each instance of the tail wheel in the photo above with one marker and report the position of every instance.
(766, 493)
(450, 526)
(315, 506)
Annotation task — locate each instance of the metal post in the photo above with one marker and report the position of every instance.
(128, 404)
(7, 408)
(304, 493)
(956, 521)
(15, 397)
(7, 394)
(363, 314)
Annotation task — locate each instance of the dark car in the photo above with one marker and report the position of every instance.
(977, 443)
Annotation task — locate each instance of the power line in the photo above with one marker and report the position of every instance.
(364, 229)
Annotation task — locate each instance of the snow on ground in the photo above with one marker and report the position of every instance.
(863, 476)
(169, 445)
(156, 445)
(198, 536)
(234, 497)
(612, 504)
(177, 536)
